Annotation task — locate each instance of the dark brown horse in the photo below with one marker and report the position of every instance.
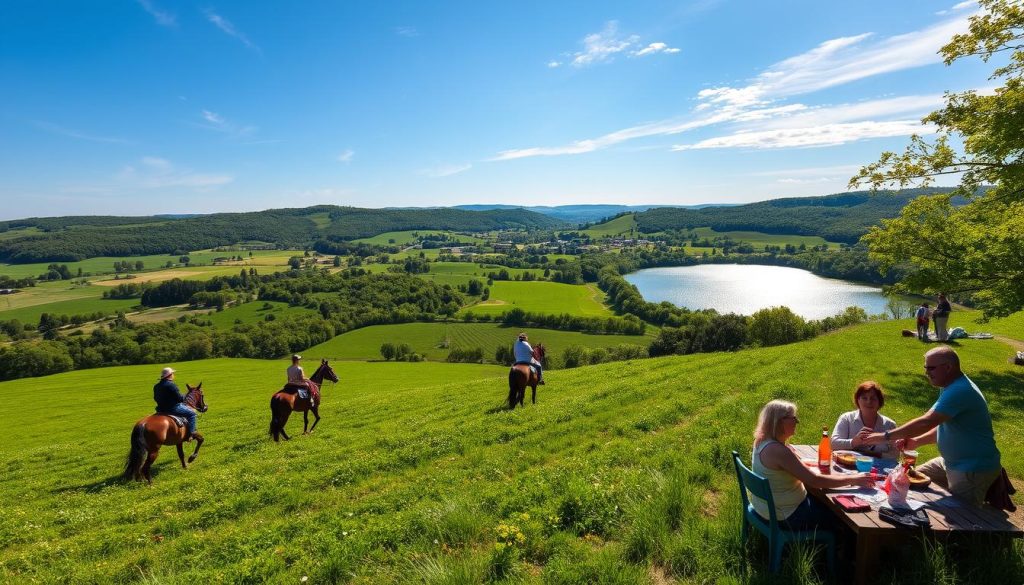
(520, 376)
(284, 402)
(160, 429)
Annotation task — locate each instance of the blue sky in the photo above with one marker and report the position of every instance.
(137, 107)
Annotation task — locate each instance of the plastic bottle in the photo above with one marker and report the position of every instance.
(824, 452)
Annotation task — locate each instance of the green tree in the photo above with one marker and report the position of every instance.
(972, 250)
(387, 351)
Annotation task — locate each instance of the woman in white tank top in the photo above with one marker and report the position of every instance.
(775, 461)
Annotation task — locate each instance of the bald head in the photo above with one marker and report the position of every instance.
(942, 366)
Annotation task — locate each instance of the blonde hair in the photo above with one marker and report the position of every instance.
(769, 422)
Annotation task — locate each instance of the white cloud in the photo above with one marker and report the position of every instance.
(553, 64)
(70, 133)
(816, 136)
(960, 6)
(407, 31)
(601, 46)
(214, 121)
(445, 170)
(162, 18)
(346, 155)
(655, 48)
(158, 173)
(229, 29)
(831, 63)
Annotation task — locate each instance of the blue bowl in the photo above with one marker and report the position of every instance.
(864, 463)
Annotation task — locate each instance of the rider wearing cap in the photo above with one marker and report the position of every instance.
(523, 352)
(297, 379)
(170, 401)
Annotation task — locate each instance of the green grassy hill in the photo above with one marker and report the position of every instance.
(620, 474)
(624, 226)
(434, 340)
(542, 297)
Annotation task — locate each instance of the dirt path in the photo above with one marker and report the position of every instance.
(1016, 344)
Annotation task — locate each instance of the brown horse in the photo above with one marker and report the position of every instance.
(160, 429)
(520, 376)
(284, 402)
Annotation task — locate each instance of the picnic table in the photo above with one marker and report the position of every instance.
(949, 516)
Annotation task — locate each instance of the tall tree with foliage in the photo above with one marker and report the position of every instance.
(976, 249)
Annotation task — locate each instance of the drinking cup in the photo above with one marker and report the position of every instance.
(864, 463)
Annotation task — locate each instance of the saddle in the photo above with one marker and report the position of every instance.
(532, 366)
(178, 420)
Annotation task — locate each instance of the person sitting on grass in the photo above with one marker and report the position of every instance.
(787, 476)
(869, 399)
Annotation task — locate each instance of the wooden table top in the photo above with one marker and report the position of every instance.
(947, 513)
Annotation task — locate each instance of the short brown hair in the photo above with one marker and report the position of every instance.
(868, 386)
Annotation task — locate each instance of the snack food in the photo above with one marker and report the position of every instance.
(917, 479)
(847, 459)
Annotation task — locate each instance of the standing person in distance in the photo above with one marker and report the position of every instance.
(922, 322)
(170, 401)
(941, 317)
(959, 423)
(523, 352)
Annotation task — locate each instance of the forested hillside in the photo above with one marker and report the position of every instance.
(843, 217)
(70, 239)
(348, 223)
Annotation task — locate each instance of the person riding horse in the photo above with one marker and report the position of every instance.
(170, 401)
(297, 380)
(523, 352)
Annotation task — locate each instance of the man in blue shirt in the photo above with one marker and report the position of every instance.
(960, 423)
(523, 352)
(170, 401)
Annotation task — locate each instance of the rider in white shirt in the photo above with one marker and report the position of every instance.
(523, 352)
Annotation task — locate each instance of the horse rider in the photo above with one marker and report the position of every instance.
(170, 401)
(297, 379)
(523, 352)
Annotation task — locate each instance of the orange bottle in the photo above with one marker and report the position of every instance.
(824, 452)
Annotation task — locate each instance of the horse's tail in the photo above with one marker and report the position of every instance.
(515, 382)
(275, 421)
(137, 454)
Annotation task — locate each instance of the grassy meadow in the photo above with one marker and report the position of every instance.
(405, 238)
(542, 297)
(435, 340)
(760, 239)
(105, 264)
(618, 227)
(620, 474)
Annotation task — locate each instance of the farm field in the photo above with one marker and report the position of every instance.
(253, 312)
(620, 226)
(759, 239)
(105, 264)
(404, 238)
(542, 297)
(19, 232)
(429, 339)
(621, 471)
(456, 273)
(82, 306)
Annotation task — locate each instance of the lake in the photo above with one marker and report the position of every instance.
(746, 288)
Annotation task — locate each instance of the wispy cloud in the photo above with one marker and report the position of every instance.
(407, 31)
(823, 135)
(214, 121)
(960, 6)
(153, 172)
(603, 46)
(346, 155)
(655, 48)
(445, 170)
(228, 28)
(162, 18)
(71, 133)
(758, 112)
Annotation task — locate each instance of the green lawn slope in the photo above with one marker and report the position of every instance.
(542, 297)
(434, 340)
(620, 474)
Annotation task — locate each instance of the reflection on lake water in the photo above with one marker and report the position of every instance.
(746, 288)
